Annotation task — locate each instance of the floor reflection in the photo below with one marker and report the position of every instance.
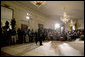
(67, 50)
(49, 48)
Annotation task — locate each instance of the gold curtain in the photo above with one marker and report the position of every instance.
(76, 25)
(71, 28)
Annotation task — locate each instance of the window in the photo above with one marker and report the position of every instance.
(73, 27)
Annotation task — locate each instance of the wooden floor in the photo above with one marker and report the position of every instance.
(5, 54)
(49, 48)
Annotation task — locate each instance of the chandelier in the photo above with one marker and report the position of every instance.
(71, 23)
(65, 17)
(38, 3)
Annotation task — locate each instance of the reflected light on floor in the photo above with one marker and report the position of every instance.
(67, 50)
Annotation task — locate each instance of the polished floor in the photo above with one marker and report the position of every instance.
(49, 48)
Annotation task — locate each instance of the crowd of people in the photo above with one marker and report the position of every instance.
(12, 36)
(74, 34)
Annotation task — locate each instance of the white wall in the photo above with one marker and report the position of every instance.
(20, 13)
(81, 22)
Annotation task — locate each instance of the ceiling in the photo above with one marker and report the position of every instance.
(54, 9)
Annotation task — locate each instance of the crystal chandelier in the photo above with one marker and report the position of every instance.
(38, 3)
(71, 23)
(65, 18)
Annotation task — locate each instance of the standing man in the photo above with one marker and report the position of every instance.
(13, 23)
(36, 37)
(19, 35)
(13, 36)
(40, 39)
(40, 35)
(58, 35)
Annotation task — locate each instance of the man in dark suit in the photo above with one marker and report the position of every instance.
(36, 37)
(40, 36)
(19, 35)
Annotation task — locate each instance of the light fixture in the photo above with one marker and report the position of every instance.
(71, 23)
(38, 3)
(57, 26)
(65, 17)
(28, 16)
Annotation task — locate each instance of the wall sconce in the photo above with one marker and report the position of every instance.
(57, 26)
(28, 16)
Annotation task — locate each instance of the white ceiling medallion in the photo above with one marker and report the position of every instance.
(38, 3)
